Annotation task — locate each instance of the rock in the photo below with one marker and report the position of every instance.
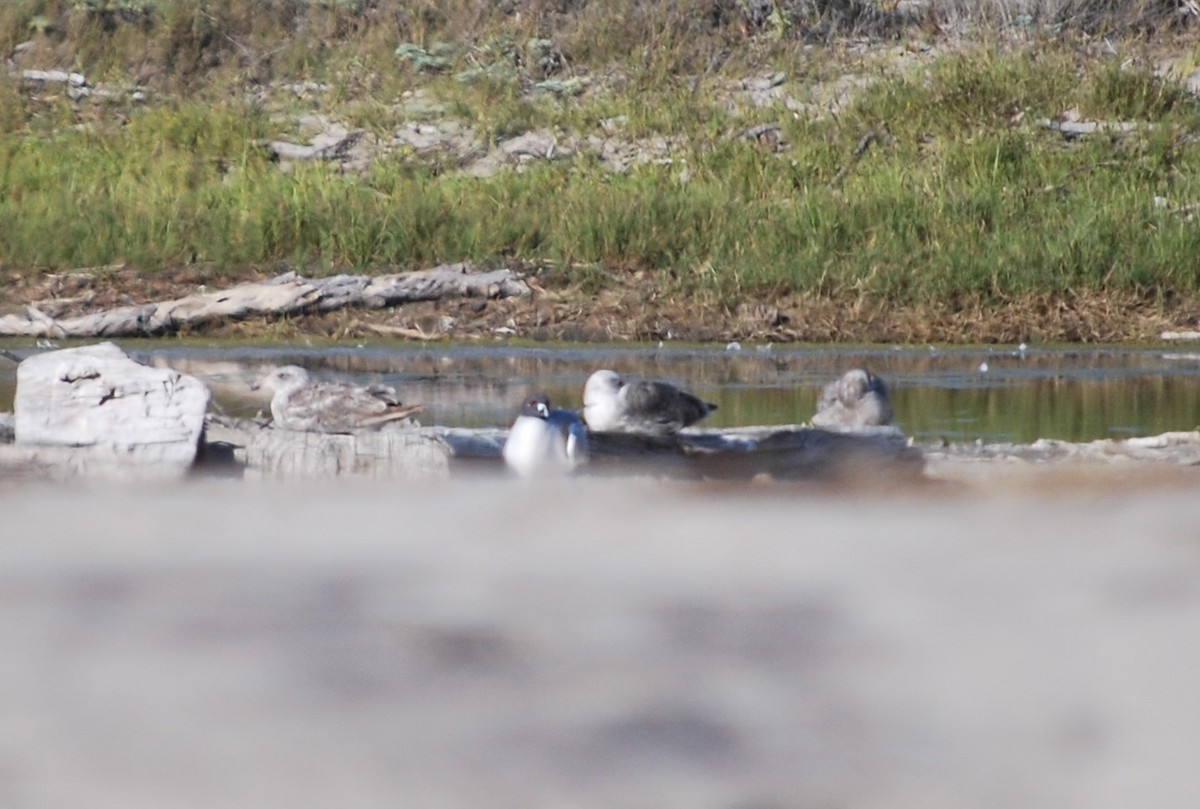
(114, 415)
(449, 137)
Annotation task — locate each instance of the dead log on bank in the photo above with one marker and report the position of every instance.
(285, 295)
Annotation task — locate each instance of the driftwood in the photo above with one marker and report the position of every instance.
(1075, 129)
(286, 294)
(777, 453)
(94, 409)
(880, 134)
(1180, 448)
(873, 455)
(55, 77)
(326, 146)
(254, 450)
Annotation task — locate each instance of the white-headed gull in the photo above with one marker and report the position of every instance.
(610, 405)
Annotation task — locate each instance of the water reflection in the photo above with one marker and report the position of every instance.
(1071, 394)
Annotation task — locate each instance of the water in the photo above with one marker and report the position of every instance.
(1074, 394)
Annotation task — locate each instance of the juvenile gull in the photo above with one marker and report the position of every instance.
(545, 440)
(610, 404)
(299, 403)
(858, 399)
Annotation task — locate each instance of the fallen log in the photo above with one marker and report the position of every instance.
(1177, 448)
(284, 295)
(422, 453)
(55, 77)
(257, 451)
(1075, 129)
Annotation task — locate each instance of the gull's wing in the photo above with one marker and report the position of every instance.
(663, 405)
(332, 407)
(578, 447)
(574, 433)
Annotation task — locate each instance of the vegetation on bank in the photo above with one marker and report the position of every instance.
(932, 180)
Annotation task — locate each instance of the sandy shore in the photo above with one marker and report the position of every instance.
(599, 643)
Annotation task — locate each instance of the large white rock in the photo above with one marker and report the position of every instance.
(121, 414)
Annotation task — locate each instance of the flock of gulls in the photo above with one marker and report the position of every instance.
(546, 440)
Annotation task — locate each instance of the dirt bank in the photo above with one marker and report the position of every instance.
(633, 306)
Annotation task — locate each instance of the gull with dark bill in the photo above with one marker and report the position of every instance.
(545, 440)
(613, 405)
(300, 403)
(857, 400)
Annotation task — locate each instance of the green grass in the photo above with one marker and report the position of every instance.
(961, 193)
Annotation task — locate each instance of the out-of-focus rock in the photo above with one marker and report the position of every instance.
(93, 409)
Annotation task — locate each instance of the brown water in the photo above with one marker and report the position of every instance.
(1070, 394)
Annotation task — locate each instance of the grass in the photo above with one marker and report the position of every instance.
(960, 193)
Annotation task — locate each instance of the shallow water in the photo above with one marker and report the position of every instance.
(1074, 394)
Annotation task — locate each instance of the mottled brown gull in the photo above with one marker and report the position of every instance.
(300, 403)
(545, 440)
(611, 404)
(857, 400)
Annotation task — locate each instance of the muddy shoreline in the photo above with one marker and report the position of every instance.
(631, 306)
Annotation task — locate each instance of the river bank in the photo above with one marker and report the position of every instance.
(631, 307)
(902, 174)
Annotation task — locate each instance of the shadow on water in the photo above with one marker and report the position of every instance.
(954, 394)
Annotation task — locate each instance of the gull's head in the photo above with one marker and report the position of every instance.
(537, 406)
(602, 384)
(858, 382)
(284, 380)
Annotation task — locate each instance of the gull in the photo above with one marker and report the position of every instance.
(610, 404)
(545, 440)
(858, 399)
(299, 403)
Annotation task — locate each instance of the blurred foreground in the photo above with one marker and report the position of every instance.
(599, 643)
